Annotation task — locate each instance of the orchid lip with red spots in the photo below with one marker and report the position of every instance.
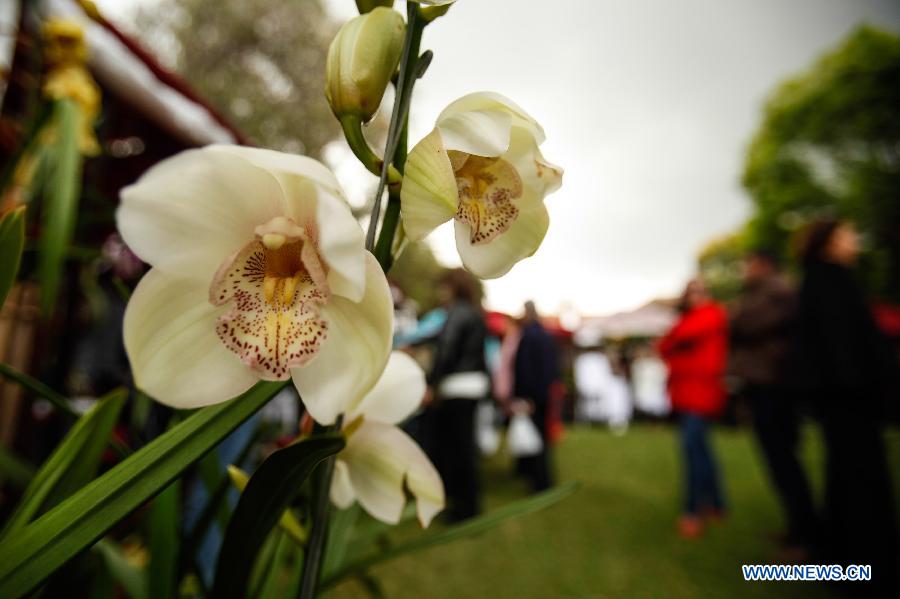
(258, 273)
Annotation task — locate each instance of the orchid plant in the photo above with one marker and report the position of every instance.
(261, 277)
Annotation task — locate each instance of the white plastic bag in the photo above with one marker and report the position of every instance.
(486, 435)
(523, 437)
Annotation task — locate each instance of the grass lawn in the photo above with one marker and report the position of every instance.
(615, 537)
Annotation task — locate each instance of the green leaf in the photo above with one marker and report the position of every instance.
(85, 468)
(132, 578)
(38, 388)
(271, 572)
(270, 490)
(163, 538)
(340, 531)
(17, 471)
(288, 521)
(460, 531)
(12, 241)
(30, 145)
(71, 465)
(40, 548)
(61, 207)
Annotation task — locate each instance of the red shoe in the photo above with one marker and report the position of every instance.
(690, 527)
(715, 515)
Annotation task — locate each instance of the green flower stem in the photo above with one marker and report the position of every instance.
(383, 249)
(352, 127)
(321, 510)
(408, 62)
(389, 177)
(385, 245)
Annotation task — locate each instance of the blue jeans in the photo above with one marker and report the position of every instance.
(702, 489)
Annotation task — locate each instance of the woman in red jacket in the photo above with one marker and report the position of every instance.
(695, 351)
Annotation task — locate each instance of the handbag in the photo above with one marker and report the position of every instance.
(523, 438)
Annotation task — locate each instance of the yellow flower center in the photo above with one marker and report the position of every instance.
(487, 188)
(275, 285)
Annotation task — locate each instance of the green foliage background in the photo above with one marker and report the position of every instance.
(261, 63)
(828, 145)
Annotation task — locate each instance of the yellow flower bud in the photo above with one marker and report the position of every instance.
(361, 61)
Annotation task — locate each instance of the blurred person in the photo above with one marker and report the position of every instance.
(457, 380)
(695, 352)
(536, 369)
(648, 379)
(850, 370)
(504, 372)
(593, 371)
(762, 334)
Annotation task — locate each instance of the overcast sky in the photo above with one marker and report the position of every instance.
(648, 105)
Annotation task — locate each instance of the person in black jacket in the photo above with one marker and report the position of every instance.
(457, 380)
(536, 369)
(850, 369)
(762, 334)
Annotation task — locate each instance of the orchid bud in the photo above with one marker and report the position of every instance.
(365, 6)
(361, 61)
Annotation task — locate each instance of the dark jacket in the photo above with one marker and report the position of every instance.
(536, 365)
(694, 351)
(762, 332)
(460, 345)
(845, 353)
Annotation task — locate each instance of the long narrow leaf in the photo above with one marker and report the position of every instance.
(38, 388)
(12, 241)
(85, 468)
(43, 546)
(17, 471)
(62, 473)
(31, 141)
(162, 536)
(269, 491)
(454, 533)
(288, 521)
(61, 202)
(340, 531)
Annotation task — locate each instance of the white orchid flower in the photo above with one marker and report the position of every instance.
(379, 456)
(481, 166)
(259, 272)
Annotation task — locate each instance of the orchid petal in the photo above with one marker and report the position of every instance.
(353, 356)
(379, 458)
(538, 175)
(189, 212)
(397, 393)
(479, 132)
(491, 101)
(175, 354)
(522, 239)
(429, 195)
(342, 494)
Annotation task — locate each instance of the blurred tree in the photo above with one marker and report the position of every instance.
(261, 63)
(416, 272)
(720, 265)
(829, 144)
